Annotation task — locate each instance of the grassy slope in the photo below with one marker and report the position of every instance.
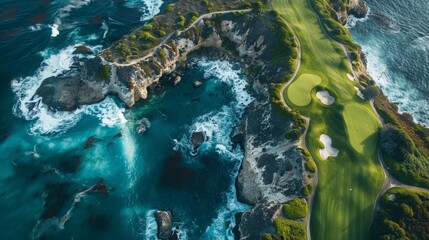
(338, 213)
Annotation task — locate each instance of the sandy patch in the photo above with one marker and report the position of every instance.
(351, 78)
(328, 151)
(325, 97)
(359, 93)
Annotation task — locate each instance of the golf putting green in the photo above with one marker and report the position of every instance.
(299, 92)
(362, 127)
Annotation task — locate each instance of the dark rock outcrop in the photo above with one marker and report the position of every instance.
(245, 37)
(197, 139)
(81, 49)
(258, 220)
(164, 222)
(272, 168)
(68, 93)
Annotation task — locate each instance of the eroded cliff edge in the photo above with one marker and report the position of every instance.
(273, 169)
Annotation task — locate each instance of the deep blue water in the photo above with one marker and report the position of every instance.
(50, 160)
(395, 39)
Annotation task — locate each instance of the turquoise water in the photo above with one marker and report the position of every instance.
(51, 161)
(395, 39)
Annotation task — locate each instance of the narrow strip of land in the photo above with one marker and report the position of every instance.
(156, 48)
(348, 185)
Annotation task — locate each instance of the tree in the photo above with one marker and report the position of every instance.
(257, 6)
(371, 92)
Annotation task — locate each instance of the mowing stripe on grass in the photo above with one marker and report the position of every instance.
(362, 127)
(299, 92)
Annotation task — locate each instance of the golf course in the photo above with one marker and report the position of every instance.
(349, 183)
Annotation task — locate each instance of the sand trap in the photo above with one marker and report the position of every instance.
(325, 97)
(359, 93)
(351, 78)
(328, 151)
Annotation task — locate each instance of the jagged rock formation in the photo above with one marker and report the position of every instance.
(358, 8)
(344, 8)
(164, 222)
(237, 34)
(272, 168)
(272, 171)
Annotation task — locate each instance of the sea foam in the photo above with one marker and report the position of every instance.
(217, 126)
(148, 8)
(45, 121)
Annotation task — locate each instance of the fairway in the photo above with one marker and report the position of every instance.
(299, 92)
(348, 185)
(360, 124)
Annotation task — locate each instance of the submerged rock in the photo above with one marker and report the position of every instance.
(164, 222)
(144, 125)
(90, 142)
(197, 84)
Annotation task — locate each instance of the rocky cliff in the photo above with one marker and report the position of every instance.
(234, 33)
(272, 171)
(344, 8)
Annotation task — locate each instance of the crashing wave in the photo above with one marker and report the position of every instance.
(47, 121)
(148, 8)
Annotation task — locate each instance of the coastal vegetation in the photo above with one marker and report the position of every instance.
(355, 176)
(176, 16)
(287, 230)
(403, 214)
(404, 160)
(405, 144)
(295, 209)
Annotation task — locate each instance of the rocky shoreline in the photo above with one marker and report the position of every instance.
(273, 170)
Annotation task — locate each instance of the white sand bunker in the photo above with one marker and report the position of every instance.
(328, 151)
(359, 93)
(325, 97)
(351, 78)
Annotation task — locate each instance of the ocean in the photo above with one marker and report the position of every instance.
(50, 160)
(395, 39)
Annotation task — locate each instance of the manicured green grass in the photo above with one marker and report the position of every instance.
(348, 184)
(361, 126)
(299, 92)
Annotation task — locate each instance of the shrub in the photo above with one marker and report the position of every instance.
(310, 165)
(257, 6)
(148, 27)
(371, 92)
(295, 209)
(306, 190)
(170, 7)
(287, 229)
(162, 55)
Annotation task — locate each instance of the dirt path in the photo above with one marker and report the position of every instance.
(155, 49)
